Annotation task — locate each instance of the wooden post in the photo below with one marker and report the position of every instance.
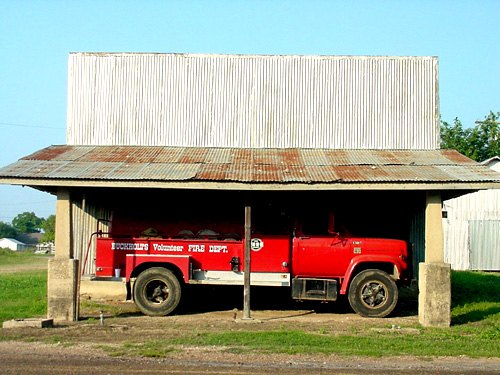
(246, 272)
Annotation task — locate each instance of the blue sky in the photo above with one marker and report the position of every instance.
(37, 36)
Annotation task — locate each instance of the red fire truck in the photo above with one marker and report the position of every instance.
(313, 266)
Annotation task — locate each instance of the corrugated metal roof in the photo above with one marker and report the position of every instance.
(256, 166)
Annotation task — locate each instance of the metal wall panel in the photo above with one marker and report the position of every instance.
(342, 102)
(484, 245)
(417, 239)
(85, 216)
(465, 215)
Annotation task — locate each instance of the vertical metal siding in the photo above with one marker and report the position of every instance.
(332, 102)
(466, 215)
(85, 217)
(484, 245)
(417, 240)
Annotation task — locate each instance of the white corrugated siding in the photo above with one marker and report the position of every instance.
(253, 101)
(472, 211)
(85, 221)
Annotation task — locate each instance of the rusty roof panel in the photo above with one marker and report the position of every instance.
(108, 154)
(145, 154)
(242, 156)
(213, 172)
(128, 171)
(266, 157)
(314, 157)
(337, 157)
(193, 155)
(94, 170)
(169, 172)
(456, 157)
(157, 163)
(20, 168)
(219, 156)
(322, 173)
(168, 155)
(239, 172)
(266, 173)
(45, 169)
(290, 157)
(365, 157)
(469, 173)
(49, 153)
(294, 173)
(410, 158)
(345, 173)
(393, 173)
(68, 170)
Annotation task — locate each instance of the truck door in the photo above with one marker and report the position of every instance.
(325, 256)
(317, 250)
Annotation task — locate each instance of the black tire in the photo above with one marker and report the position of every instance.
(157, 292)
(373, 294)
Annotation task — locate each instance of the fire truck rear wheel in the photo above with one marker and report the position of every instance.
(373, 294)
(157, 292)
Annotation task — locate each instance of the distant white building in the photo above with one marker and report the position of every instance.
(12, 244)
(472, 228)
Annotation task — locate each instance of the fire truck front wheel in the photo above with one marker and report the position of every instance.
(157, 292)
(373, 294)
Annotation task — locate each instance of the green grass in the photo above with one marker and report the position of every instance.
(389, 343)
(422, 342)
(23, 295)
(13, 258)
(475, 297)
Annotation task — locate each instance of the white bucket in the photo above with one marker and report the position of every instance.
(117, 272)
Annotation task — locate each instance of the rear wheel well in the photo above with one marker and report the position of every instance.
(169, 266)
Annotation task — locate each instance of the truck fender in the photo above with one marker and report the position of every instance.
(355, 262)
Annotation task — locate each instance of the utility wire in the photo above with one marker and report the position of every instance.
(30, 126)
(25, 203)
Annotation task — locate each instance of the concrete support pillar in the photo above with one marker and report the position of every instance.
(434, 248)
(434, 300)
(62, 283)
(62, 289)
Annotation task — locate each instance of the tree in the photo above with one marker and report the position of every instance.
(7, 231)
(27, 222)
(49, 227)
(478, 143)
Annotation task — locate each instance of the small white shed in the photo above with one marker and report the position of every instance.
(471, 226)
(12, 244)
